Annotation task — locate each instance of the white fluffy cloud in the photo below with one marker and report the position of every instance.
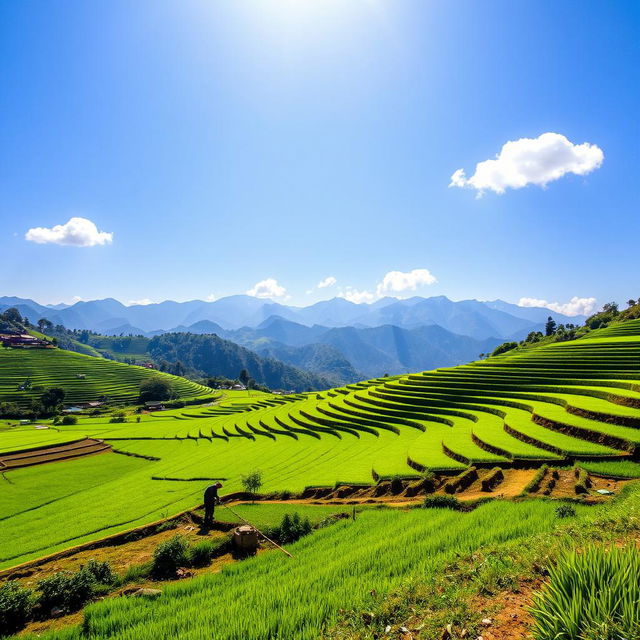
(329, 281)
(575, 306)
(354, 295)
(394, 284)
(77, 232)
(399, 281)
(144, 302)
(531, 161)
(268, 288)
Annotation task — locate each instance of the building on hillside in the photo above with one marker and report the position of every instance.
(23, 340)
(239, 387)
(146, 365)
(82, 406)
(154, 405)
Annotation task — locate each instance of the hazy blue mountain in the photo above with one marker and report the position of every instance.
(322, 359)
(468, 317)
(214, 356)
(534, 314)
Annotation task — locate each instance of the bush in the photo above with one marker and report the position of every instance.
(290, 529)
(155, 388)
(101, 572)
(170, 555)
(200, 554)
(443, 502)
(67, 420)
(503, 348)
(66, 590)
(16, 605)
(565, 511)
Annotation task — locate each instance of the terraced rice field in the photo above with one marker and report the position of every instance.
(556, 404)
(84, 378)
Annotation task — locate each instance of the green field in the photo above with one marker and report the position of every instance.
(344, 570)
(559, 403)
(84, 378)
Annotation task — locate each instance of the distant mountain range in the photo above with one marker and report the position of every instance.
(480, 320)
(334, 341)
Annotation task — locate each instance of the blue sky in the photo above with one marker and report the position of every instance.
(227, 143)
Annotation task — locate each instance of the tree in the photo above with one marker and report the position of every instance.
(52, 398)
(44, 325)
(610, 307)
(252, 482)
(631, 302)
(12, 315)
(550, 326)
(244, 377)
(155, 389)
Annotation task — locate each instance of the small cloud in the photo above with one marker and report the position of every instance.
(576, 306)
(211, 298)
(354, 295)
(531, 161)
(329, 281)
(143, 302)
(77, 232)
(394, 283)
(268, 288)
(399, 281)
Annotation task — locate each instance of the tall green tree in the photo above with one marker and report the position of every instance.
(550, 326)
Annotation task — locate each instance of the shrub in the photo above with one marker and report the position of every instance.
(16, 605)
(101, 572)
(66, 590)
(202, 553)
(169, 555)
(118, 416)
(503, 348)
(67, 420)
(442, 502)
(592, 595)
(565, 511)
(290, 529)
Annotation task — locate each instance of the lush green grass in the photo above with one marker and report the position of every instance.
(559, 403)
(591, 595)
(84, 378)
(616, 469)
(342, 566)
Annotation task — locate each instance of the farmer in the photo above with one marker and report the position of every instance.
(211, 499)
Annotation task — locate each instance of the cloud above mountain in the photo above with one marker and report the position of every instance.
(76, 232)
(329, 281)
(576, 306)
(268, 288)
(394, 283)
(528, 161)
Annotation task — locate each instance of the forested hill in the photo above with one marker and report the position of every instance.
(211, 355)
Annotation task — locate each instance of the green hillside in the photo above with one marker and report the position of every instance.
(84, 378)
(558, 403)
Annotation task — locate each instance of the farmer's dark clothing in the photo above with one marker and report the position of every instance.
(210, 501)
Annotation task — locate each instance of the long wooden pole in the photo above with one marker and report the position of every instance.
(275, 544)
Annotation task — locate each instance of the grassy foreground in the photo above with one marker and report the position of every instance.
(387, 565)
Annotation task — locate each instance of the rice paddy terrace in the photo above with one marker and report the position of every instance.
(84, 378)
(555, 404)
